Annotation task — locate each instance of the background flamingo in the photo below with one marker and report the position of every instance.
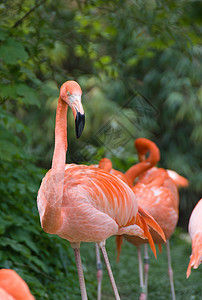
(195, 232)
(156, 191)
(86, 204)
(13, 287)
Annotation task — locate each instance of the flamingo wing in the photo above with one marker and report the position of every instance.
(179, 180)
(94, 204)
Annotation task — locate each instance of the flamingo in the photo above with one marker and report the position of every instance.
(156, 192)
(82, 203)
(195, 232)
(13, 287)
(161, 199)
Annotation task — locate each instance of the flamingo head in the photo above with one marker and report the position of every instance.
(105, 164)
(141, 145)
(70, 92)
(147, 150)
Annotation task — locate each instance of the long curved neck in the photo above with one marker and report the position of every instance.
(145, 164)
(59, 156)
(51, 221)
(136, 170)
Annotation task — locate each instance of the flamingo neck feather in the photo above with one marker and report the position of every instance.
(143, 146)
(136, 170)
(59, 156)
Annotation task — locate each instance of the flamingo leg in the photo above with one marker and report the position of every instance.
(107, 263)
(170, 271)
(76, 248)
(142, 286)
(146, 267)
(99, 272)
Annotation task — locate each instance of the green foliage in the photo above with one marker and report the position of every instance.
(12, 51)
(138, 63)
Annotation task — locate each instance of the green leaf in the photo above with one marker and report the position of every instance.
(3, 225)
(3, 34)
(39, 263)
(105, 59)
(175, 99)
(12, 51)
(29, 95)
(21, 235)
(15, 246)
(8, 150)
(8, 91)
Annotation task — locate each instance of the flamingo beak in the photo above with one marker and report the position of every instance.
(79, 123)
(79, 117)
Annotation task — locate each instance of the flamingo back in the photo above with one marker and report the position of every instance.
(103, 190)
(108, 167)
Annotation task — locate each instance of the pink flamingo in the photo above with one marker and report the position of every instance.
(195, 232)
(85, 204)
(13, 287)
(156, 191)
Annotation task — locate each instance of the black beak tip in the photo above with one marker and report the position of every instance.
(79, 122)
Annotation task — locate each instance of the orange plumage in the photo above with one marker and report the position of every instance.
(13, 287)
(156, 188)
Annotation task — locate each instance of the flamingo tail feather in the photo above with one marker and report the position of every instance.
(196, 256)
(119, 241)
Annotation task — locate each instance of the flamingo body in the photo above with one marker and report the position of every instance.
(161, 177)
(163, 201)
(95, 204)
(157, 193)
(159, 201)
(195, 232)
(13, 287)
(5, 296)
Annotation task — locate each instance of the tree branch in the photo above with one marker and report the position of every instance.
(27, 14)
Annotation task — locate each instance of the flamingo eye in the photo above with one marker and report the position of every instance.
(68, 93)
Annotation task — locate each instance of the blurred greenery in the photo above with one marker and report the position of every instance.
(138, 63)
